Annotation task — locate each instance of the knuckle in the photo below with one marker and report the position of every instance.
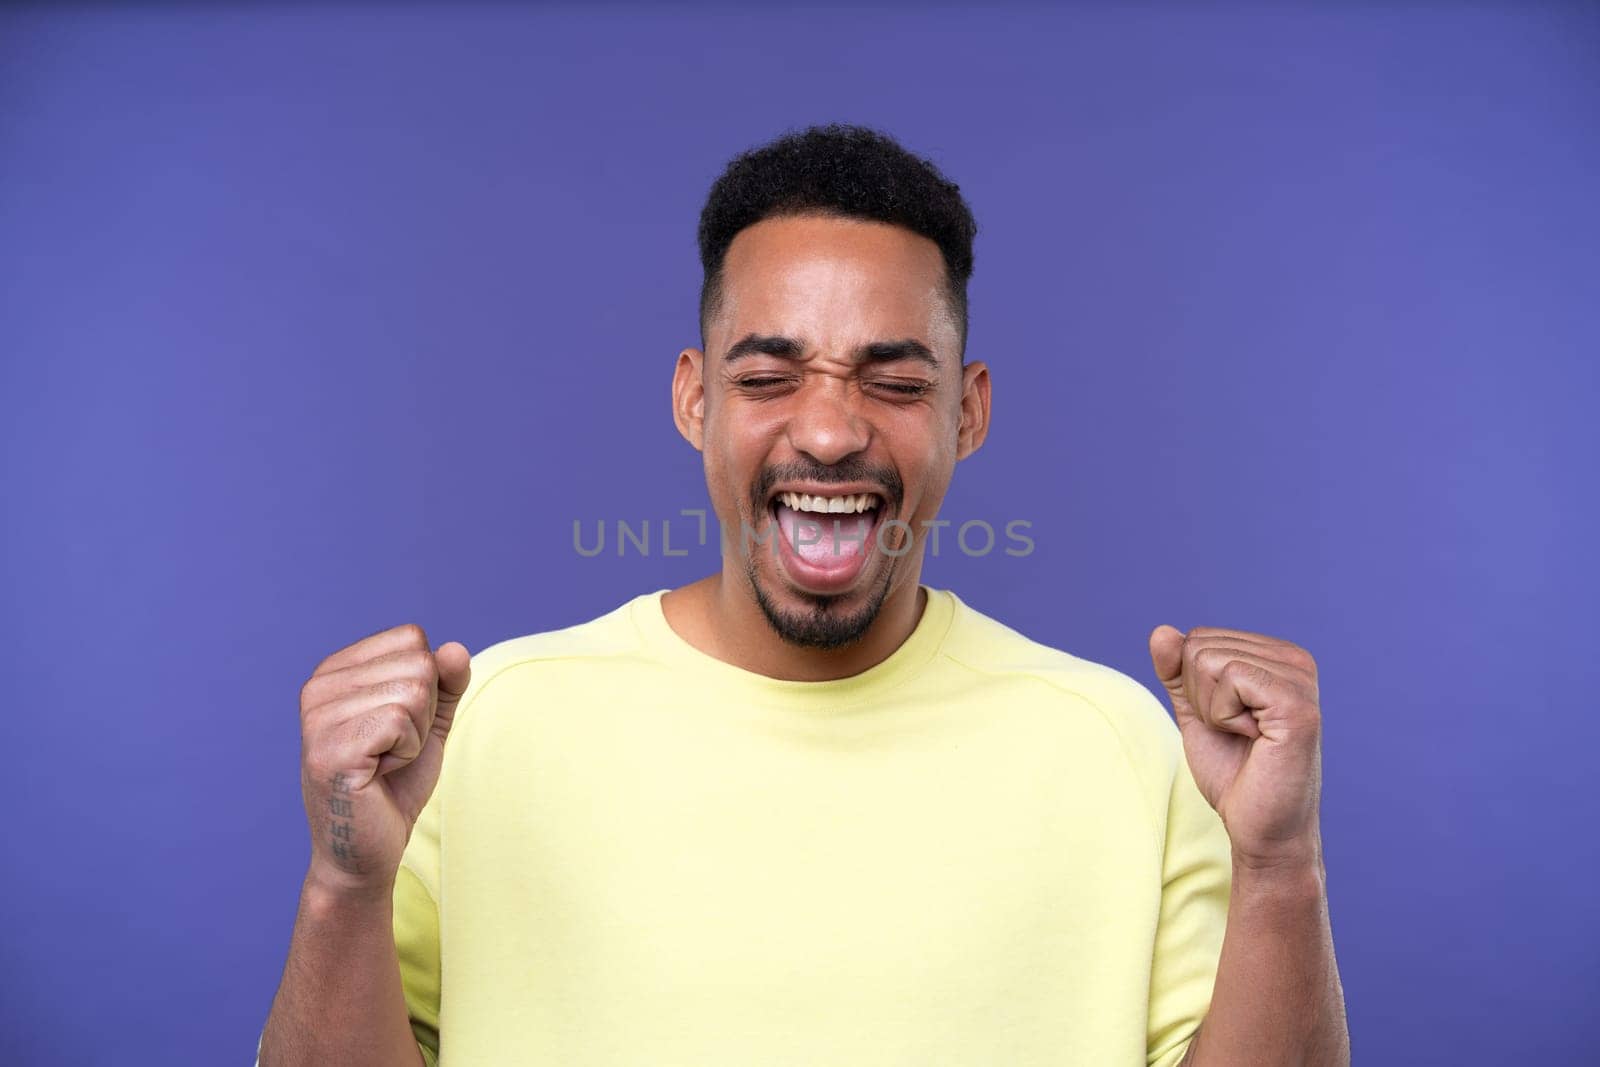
(1308, 717)
(363, 727)
(399, 721)
(414, 635)
(317, 763)
(312, 727)
(421, 664)
(1244, 670)
(404, 727)
(404, 690)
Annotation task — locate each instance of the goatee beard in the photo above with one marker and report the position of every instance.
(827, 625)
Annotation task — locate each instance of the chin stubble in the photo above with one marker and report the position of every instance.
(827, 625)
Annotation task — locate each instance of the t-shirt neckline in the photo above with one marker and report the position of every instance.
(921, 646)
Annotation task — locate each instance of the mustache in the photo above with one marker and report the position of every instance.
(850, 470)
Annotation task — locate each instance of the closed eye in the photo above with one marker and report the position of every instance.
(761, 383)
(903, 388)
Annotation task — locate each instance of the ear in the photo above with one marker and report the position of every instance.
(974, 409)
(689, 397)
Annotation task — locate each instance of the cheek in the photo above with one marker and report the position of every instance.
(745, 432)
(734, 453)
(931, 488)
(932, 474)
(930, 465)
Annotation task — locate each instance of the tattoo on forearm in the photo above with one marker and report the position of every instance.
(342, 834)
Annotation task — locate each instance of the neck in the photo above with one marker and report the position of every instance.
(719, 616)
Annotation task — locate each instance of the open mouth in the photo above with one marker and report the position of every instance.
(824, 541)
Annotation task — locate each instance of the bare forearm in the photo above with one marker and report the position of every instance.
(1277, 999)
(340, 1000)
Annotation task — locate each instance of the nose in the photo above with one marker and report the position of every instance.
(825, 425)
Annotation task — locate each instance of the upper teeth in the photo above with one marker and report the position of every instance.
(803, 502)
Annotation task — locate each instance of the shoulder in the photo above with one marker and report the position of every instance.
(1127, 707)
(595, 641)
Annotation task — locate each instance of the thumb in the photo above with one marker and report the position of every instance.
(455, 672)
(1166, 654)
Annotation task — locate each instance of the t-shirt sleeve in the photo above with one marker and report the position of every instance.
(1196, 877)
(416, 942)
(416, 927)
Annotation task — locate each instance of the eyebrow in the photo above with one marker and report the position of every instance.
(753, 344)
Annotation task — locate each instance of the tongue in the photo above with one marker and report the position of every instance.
(828, 541)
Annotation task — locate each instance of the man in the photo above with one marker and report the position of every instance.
(808, 810)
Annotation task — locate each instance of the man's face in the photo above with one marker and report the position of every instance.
(831, 399)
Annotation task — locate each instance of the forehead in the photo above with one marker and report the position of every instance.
(833, 281)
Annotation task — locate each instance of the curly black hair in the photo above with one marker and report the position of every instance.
(845, 170)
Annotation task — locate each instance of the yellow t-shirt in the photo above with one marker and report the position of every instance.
(980, 851)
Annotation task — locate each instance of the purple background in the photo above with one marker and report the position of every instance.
(317, 320)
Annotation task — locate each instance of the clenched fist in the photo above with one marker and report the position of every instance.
(1250, 712)
(373, 721)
